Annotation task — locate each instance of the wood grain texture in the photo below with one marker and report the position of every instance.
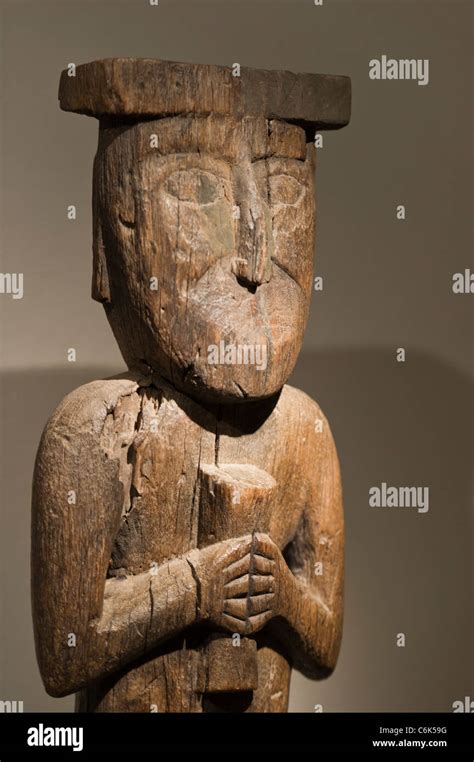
(138, 87)
(129, 568)
(187, 522)
(222, 214)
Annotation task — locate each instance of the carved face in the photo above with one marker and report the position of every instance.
(204, 240)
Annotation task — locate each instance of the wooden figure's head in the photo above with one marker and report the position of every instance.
(204, 218)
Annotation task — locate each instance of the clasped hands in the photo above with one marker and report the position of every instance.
(242, 583)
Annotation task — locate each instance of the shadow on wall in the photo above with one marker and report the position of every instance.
(406, 572)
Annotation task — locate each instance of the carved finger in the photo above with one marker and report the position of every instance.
(262, 583)
(258, 604)
(236, 607)
(262, 565)
(258, 584)
(255, 623)
(232, 624)
(237, 568)
(237, 587)
(264, 546)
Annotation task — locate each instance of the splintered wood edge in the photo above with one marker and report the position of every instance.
(140, 87)
(243, 475)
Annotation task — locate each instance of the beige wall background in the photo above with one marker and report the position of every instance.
(387, 284)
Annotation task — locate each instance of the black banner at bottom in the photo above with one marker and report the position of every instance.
(76, 736)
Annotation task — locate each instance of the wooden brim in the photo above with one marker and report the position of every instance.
(146, 88)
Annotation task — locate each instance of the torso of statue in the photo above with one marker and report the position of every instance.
(171, 507)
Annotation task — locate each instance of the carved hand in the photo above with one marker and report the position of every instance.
(241, 582)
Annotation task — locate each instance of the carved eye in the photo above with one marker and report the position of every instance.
(194, 186)
(284, 189)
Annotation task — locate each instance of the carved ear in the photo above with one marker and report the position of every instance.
(100, 275)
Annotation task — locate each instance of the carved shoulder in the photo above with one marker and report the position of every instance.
(86, 408)
(309, 421)
(77, 433)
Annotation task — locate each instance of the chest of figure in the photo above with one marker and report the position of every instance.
(181, 499)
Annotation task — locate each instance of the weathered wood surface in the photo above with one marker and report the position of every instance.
(187, 536)
(132, 568)
(242, 277)
(150, 87)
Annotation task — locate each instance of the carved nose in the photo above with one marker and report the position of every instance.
(252, 266)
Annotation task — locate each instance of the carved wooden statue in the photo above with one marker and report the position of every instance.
(187, 540)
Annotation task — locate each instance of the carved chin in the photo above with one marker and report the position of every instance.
(235, 382)
(221, 342)
(240, 345)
